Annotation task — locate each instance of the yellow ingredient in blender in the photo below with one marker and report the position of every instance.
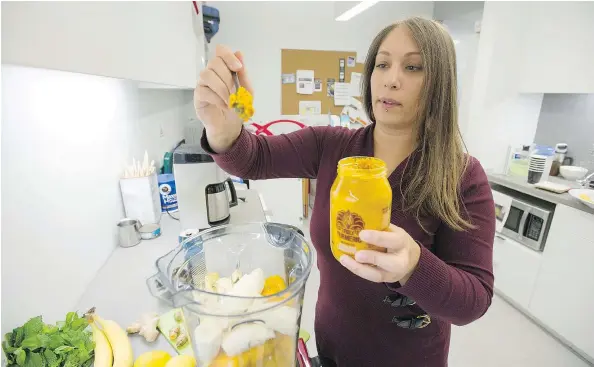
(273, 284)
(276, 352)
(360, 198)
(242, 101)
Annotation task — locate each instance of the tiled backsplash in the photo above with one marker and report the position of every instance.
(568, 118)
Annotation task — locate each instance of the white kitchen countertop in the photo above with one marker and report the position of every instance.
(520, 184)
(119, 290)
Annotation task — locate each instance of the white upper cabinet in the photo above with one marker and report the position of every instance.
(559, 48)
(155, 42)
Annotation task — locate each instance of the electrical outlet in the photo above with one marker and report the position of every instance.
(161, 131)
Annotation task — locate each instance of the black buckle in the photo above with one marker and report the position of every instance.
(398, 300)
(413, 322)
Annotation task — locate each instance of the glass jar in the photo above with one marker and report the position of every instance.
(360, 198)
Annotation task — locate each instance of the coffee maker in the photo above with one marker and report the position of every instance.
(205, 193)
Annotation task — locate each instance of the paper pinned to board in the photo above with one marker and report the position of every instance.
(310, 107)
(342, 94)
(317, 85)
(351, 61)
(288, 78)
(330, 87)
(355, 84)
(305, 81)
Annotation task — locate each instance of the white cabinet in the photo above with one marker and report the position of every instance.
(515, 267)
(563, 297)
(558, 48)
(157, 42)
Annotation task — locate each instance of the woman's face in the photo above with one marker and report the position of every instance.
(397, 79)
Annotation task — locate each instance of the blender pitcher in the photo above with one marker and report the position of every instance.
(241, 289)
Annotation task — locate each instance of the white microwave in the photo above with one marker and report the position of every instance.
(522, 221)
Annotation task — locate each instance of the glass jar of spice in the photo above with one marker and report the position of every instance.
(360, 198)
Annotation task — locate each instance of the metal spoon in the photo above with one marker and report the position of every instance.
(235, 80)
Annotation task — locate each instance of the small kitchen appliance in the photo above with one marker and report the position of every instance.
(539, 168)
(525, 220)
(560, 159)
(205, 193)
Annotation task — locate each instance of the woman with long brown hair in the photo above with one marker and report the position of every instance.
(392, 308)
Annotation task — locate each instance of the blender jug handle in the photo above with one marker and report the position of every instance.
(233, 201)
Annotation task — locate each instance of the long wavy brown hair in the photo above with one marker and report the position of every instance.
(433, 179)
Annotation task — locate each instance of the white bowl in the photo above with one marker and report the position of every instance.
(586, 196)
(573, 173)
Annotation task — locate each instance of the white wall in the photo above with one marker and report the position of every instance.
(498, 114)
(65, 140)
(459, 17)
(161, 117)
(569, 118)
(261, 29)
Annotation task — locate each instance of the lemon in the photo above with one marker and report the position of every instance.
(181, 361)
(156, 358)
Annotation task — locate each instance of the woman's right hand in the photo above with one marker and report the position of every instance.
(211, 98)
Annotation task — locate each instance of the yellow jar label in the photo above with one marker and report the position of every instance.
(348, 225)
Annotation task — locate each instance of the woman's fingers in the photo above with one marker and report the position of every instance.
(228, 57)
(394, 239)
(216, 81)
(368, 272)
(222, 71)
(242, 74)
(210, 79)
(206, 96)
(394, 263)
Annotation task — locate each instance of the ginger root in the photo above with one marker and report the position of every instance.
(146, 326)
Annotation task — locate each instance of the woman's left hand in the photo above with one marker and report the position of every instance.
(396, 265)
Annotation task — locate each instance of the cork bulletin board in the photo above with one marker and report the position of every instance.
(326, 65)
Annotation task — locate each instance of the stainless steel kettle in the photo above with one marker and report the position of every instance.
(218, 202)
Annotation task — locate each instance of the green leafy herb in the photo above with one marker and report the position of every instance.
(36, 344)
(21, 355)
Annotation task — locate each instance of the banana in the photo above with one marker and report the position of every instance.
(118, 339)
(103, 353)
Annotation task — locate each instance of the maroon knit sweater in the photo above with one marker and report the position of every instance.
(453, 281)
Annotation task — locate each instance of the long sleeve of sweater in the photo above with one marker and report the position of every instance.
(455, 281)
(254, 157)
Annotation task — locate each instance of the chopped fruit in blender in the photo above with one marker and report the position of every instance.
(273, 284)
(210, 281)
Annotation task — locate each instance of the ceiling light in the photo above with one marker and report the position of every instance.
(355, 10)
